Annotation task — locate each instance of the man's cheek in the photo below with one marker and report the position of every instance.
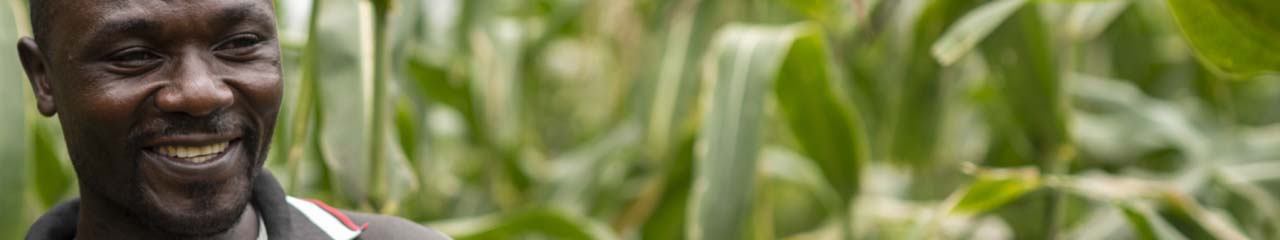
(263, 89)
(113, 108)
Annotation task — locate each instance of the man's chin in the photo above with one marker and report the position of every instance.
(201, 209)
(201, 224)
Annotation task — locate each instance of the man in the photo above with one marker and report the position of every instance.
(167, 108)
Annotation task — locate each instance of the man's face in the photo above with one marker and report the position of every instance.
(167, 106)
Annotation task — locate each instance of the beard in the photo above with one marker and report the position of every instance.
(216, 207)
(192, 209)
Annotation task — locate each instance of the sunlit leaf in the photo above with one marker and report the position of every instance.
(972, 29)
(495, 83)
(739, 74)
(345, 72)
(1236, 36)
(816, 9)
(675, 82)
(994, 188)
(1088, 20)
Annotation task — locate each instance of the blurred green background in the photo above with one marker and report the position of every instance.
(757, 119)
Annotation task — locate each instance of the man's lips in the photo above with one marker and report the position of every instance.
(194, 156)
(196, 139)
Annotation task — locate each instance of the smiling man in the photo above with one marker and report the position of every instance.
(167, 108)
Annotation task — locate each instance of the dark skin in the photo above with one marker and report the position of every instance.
(129, 77)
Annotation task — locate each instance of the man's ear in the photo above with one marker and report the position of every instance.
(33, 63)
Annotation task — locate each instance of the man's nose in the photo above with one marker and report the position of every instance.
(193, 89)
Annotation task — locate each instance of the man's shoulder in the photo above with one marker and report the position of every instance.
(390, 227)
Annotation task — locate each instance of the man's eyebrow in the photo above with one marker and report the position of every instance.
(125, 25)
(243, 12)
(103, 34)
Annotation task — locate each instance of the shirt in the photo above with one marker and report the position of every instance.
(280, 217)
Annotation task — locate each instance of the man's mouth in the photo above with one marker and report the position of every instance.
(193, 154)
(196, 156)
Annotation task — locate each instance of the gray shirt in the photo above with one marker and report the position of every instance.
(278, 217)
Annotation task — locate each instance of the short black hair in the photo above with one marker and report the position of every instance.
(38, 12)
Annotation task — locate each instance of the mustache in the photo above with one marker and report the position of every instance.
(174, 124)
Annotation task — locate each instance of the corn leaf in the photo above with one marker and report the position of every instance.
(667, 220)
(341, 73)
(739, 73)
(13, 154)
(675, 84)
(972, 29)
(1146, 224)
(52, 176)
(919, 108)
(746, 63)
(1237, 37)
(344, 73)
(1194, 221)
(536, 222)
(495, 83)
(821, 117)
(1087, 20)
(1026, 73)
(994, 188)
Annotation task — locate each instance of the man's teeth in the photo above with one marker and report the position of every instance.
(196, 154)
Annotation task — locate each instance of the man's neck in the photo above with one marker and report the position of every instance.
(101, 218)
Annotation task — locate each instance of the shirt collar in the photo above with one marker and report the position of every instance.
(59, 222)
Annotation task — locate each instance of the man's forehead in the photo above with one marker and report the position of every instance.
(104, 10)
(77, 20)
(87, 16)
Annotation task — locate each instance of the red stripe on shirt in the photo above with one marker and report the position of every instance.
(342, 217)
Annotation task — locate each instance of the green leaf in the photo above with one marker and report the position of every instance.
(436, 84)
(675, 84)
(1088, 20)
(823, 120)
(537, 222)
(798, 197)
(343, 50)
(581, 169)
(972, 29)
(667, 220)
(339, 68)
(819, 10)
(739, 73)
(52, 178)
(790, 167)
(746, 62)
(1025, 71)
(917, 113)
(994, 188)
(495, 84)
(13, 154)
(1146, 224)
(1137, 57)
(1237, 37)
(1194, 221)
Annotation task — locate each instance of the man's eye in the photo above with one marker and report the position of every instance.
(242, 41)
(134, 57)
